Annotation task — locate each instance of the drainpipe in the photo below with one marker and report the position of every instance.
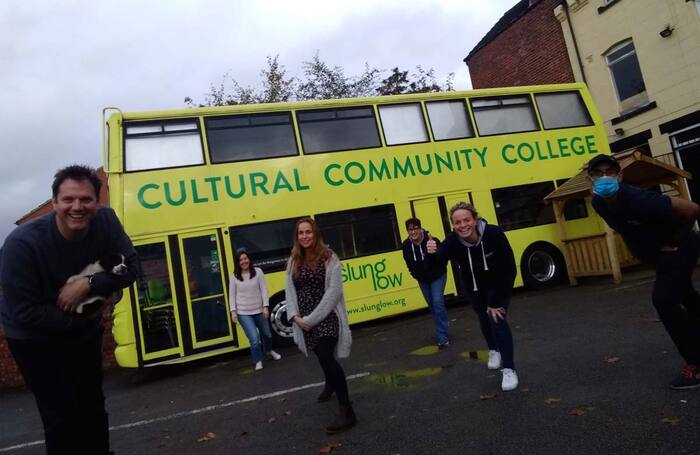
(573, 38)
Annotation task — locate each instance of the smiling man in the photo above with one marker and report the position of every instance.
(58, 351)
(657, 230)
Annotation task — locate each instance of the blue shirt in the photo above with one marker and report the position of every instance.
(642, 217)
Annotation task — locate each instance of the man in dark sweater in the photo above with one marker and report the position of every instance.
(58, 351)
(657, 230)
(431, 277)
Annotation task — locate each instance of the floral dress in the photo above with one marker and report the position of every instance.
(310, 286)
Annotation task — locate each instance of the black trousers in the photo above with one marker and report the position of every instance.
(332, 371)
(676, 300)
(66, 379)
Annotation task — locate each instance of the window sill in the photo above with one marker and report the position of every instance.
(634, 112)
(604, 8)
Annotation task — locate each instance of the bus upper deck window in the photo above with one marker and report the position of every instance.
(162, 144)
(403, 124)
(562, 110)
(449, 120)
(330, 130)
(504, 115)
(250, 137)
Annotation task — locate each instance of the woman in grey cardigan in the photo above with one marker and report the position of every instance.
(315, 303)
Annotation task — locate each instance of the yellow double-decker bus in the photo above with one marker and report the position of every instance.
(193, 185)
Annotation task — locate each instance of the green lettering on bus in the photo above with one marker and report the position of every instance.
(440, 161)
(297, 181)
(214, 189)
(281, 182)
(590, 143)
(380, 173)
(361, 175)
(327, 176)
(168, 197)
(258, 180)
(195, 195)
(504, 152)
(241, 184)
(403, 170)
(142, 199)
(429, 169)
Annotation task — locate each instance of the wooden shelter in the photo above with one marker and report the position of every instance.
(605, 253)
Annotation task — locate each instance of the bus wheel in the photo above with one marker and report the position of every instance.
(281, 327)
(542, 266)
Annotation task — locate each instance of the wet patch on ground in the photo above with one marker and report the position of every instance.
(426, 350)
(478, 356)
(403, 378)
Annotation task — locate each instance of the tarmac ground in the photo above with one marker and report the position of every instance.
(594, 364)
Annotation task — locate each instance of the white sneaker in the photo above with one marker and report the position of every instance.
(258, 366)
(494, 360)
(510, 380)
(274, 355)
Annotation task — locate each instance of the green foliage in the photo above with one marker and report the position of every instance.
(321, 81)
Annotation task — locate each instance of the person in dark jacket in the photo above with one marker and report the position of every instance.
(58, 351)
(431, 277)
(657, 229)
(486, 260)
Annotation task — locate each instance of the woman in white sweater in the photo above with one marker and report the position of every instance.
(248, 299)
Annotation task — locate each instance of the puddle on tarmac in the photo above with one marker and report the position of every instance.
(479, 356)
(403, 378)
(425, 350)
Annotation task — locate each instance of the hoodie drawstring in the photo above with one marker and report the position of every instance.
(483, 255)
(471, 268)
(413, 249)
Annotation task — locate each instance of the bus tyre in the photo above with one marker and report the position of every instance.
(281, 327)
(542, 266)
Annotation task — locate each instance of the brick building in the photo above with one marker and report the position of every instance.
(525, 47)
(9, 373)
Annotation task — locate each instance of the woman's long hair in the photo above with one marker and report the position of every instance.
(237, 272)
(311, 255)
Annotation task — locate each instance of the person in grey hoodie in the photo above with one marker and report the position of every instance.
(431, 277)
(486, 260)
(316, 306)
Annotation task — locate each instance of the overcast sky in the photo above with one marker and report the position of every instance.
(61, 62)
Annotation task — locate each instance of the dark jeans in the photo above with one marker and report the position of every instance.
(497, 334)
(675, 299)
(66, 379)
(332, 371)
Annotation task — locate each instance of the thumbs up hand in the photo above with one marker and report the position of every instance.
(431, 245)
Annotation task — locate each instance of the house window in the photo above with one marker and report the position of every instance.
(626, 75)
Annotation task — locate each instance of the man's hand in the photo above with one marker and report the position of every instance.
(234, 317)
(72, 294)
(266, 312)
(431, 246)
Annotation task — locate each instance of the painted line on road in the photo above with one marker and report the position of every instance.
(214, 407)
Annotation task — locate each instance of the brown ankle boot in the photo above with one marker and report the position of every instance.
(325, 395)
(346, 419)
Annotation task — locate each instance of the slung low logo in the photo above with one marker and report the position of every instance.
(375, 271)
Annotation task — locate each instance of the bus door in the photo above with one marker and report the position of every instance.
(156, 313)
(430, 212)
(206, 317)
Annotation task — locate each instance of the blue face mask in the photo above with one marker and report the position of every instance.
(606, 186)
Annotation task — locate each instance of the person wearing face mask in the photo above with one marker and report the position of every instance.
(657, 229)
(486, 261)
(431, 278)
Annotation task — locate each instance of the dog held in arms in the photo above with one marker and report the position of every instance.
(113, 263)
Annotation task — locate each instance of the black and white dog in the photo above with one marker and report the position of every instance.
(113, 263)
